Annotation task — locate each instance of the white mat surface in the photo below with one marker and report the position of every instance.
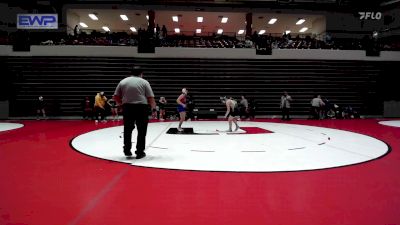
(289, 148)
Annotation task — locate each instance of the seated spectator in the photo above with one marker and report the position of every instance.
(48, 42)
(62, 42)
(338, 111)
(348, 112)
(248, 43)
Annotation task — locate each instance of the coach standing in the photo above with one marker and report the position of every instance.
(135, 94)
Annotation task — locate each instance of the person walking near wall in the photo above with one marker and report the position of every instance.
(285, 105)
(99, 106)
(40, 108)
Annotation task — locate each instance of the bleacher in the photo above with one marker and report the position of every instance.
(65, 81)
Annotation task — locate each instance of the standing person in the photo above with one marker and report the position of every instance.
(285, 105)
(87, 108)
(40, 107)
(244, 108)
(158, 29)
(252, 108)
(161, 105)
(76, 31)
(114, 108)
(190, 107)
(135, 94)
(182, 107)
(316, 105)
(164, 31)
(100, 106)
(232, 112)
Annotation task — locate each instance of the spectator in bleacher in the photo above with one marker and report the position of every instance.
(164, 31)
(100, 102)
(158, 30)
(316, 107)
(62, 42)
(76, 31)
(40, 108)
(254, 37)
(274, 45)
(182, 107)
(285, 105)
(48, 42)
(248, 43)
(109, 38)
(162, 103)
(328, 38)
(244, 108)
(135, 95)
(87, 108)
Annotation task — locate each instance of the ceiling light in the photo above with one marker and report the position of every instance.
(304, 29)
(106, 29)
(93, 17)
(198, 31)
(175, 18)
(272, 21)
(83, 25)
(220, 31)
(224, 20)
(287, 31)
(199, 19)
(147, 17)
(124, 17)
(261, 32)
(241, 32)
(133, 29)
(300, 21)
(177, 30)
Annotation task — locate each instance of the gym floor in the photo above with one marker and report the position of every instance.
(268, 172)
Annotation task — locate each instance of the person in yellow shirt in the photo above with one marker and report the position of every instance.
(100, 102)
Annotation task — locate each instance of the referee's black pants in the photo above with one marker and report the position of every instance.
(135, 114)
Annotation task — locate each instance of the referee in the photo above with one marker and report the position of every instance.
(135, 94)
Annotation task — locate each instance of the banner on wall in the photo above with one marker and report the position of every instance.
(37, 21)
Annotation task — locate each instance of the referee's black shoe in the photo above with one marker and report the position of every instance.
(127, 153)
(140, 155)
